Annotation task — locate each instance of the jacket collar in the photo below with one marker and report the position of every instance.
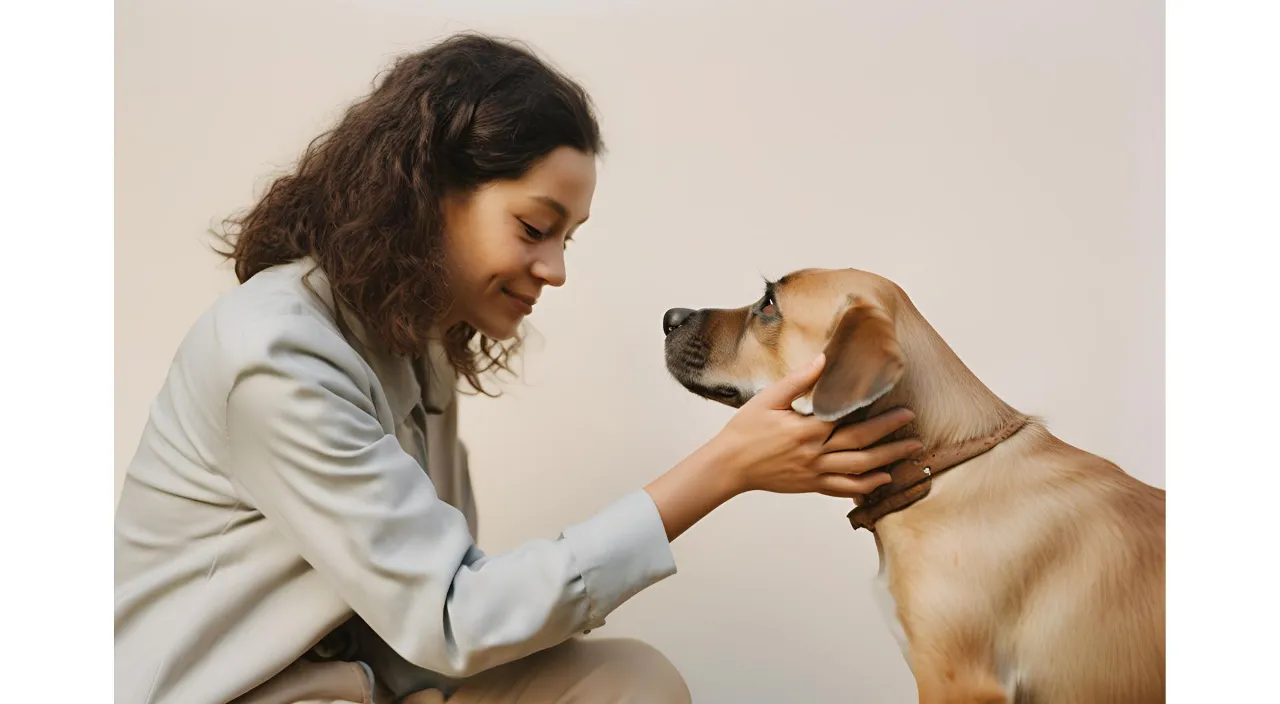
(407, 381)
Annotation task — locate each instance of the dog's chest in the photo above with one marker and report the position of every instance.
(889, 611)
(1009, 676)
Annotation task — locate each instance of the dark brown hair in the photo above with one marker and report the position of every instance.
(365, 199)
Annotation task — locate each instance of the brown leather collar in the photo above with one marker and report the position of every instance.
(913, 478)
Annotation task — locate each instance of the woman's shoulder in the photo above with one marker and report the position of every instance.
(288, 290)
(284, 310)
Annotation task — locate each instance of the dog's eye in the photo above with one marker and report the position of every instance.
(768, 306)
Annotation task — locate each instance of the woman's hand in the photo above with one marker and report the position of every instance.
(769, 447)
(766, 446)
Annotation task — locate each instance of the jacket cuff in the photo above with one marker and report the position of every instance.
(619, 552)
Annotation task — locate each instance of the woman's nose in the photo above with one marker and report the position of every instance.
(550, 268)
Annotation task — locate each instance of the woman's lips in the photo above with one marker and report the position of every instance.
(523, 303)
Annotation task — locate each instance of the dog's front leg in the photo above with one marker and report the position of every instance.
(943, 678)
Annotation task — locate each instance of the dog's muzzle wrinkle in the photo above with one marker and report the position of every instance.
(687, 350)
(689, 355)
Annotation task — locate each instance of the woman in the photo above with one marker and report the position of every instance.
(297, 523)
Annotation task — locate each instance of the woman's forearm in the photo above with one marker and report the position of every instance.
(694, 488)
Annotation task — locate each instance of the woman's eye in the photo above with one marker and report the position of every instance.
(532, 231)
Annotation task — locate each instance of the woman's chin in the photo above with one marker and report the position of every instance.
(500, 330)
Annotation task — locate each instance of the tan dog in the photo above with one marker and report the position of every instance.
(1031, 573)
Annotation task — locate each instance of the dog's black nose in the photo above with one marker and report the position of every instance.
(674, 318)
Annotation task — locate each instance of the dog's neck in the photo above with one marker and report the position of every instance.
(957, 418)
(950, 403)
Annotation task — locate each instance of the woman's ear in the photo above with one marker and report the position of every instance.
(864, 361)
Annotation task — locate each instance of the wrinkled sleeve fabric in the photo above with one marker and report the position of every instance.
(308, 451)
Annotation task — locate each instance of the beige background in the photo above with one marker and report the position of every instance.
(1002, 160)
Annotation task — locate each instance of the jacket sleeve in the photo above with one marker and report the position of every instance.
(307, 451)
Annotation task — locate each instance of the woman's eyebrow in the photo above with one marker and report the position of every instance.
(558, 207)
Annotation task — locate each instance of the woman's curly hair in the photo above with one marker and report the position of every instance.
(365, 199)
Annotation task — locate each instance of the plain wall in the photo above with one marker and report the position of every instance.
(1001, 160)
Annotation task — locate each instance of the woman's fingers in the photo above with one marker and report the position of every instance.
(853, 473)
(848, 487)
(869, 431)
(860, 461)
(780, 394)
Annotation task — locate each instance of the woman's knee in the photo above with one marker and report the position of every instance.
(609, 671)
(640, 673)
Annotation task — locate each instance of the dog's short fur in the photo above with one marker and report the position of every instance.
(1032, 573)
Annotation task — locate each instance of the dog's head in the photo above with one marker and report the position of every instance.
(730, 355)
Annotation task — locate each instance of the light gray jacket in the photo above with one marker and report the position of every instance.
(291, 475)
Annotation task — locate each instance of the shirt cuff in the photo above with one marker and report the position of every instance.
(620, 551)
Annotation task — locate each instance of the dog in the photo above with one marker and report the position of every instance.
(1014, 567)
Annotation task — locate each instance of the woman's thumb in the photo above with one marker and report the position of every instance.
(782, 392)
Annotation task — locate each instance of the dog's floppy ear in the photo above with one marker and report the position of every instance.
(864, 361)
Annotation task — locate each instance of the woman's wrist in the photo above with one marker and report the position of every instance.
(718, 468)
(695, 487)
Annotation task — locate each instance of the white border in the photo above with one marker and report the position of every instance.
(57, 288)
(1223, 197)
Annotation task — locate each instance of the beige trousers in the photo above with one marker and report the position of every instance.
(603, 671)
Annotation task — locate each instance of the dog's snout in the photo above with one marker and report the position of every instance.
(674, 318)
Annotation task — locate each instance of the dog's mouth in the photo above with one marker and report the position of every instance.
(723, 393)
(687, 363)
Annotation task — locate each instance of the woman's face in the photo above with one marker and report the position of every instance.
(505, 242)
